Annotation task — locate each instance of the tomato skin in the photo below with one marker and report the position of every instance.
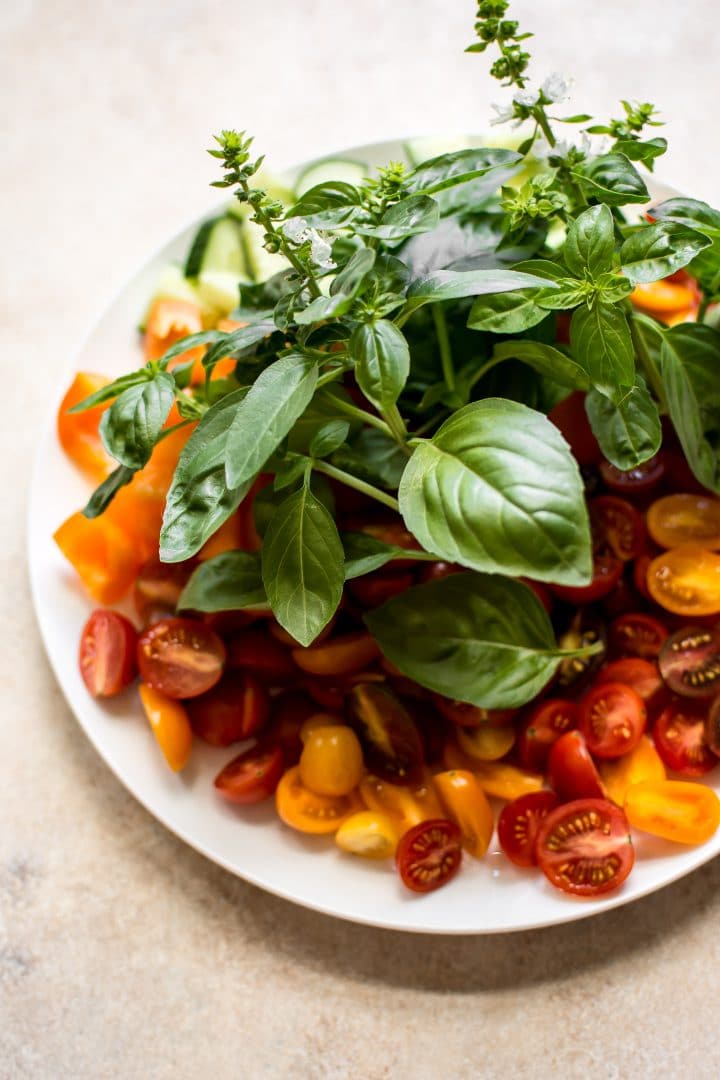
(571, 770)
(251, 776)
(369, 833)
(637, 481)
(429, 855)
(341, 655)
(235, 708)
(542, 728)
(391, 742)
(486, 743)
(674, 809)
(466, 715)
(642, 763)
(435, 571)
(607, 571)
(288, 712)
(102, 556)
(666, 299)
(584, 847)
(170, 725)
(712, 727)
(617, 525)
(466, 804)
(371, 590)
(331, 762)
(498, 779)
(158, 587)
(686, 581)
(570, 417)
(639, 574)
(168, 321)
(679, 737)
(637, 634)
(309, 812)
(681, 519)
(257, 651)
(79, 433)
(642, 676)
(519, 822)
(612, 719)
(690, 662)
(406, 805)
(108, 644)
(182, 658)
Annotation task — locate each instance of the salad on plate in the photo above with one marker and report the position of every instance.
(413, 503)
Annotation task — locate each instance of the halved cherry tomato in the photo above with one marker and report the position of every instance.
(542, 727)
(308, 812)
(429, 855)
(255, 650)
(686, 581)
(612, 719)
(158, 587)
(79, 433)
(371, 590)
(571, 770)
(405, 805)
(105, 560)
(466, 804)
(252, 776)
(466, 715)
(674, 809)
(690, 662)
(236, 708)
(712, 727)
(170, 725)
(331, 762)
(570, 417)
(679, 736)
(575, 672)
(623, 600)
(584, 847)
(685, 519)
(486, 743)
(289, 711)
(642, 763)
(342, 655)
(618, 526)
(664, 298)
(393, 748)
(637, 481)
(499, 779)
(167, 322)
(642, 676)
(636, 634)
(519, 822)
(607, 571)
(107, 653)
(182, 658)
(332, 693)
(369, 833)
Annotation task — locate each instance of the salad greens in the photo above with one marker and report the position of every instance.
(410, 287)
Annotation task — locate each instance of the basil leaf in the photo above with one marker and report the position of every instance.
(692, 212)
(103, 495)
(328, 438)
(497, 489)
(279, 396)
(629, 433)
(506, 313)
(234, 344)
(447, 170)
(382, 361)
(303, 565)
(192, 341)
(689, 365)
(229, 582)
(364, 553)
(645, 150)
(601, 343)
(546, 360)
(112, 390)
(612, 179)
(472, 637)
(199, 500)
(349, 280)
(292, 469)
(590, 243)
(655, 251)
(329, 205)
(373, 456)
(131, 426)
(568, 294)
(457, 284)
(409, 217)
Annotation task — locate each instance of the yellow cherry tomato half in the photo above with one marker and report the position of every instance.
(331, 762)
(486, 743)
(341, 655)
(685, 519)
(674, 809)
(407, 806)
(309, 812)
(641, 764)
(170, 725)
(686, 580)
(370, 833)
(498, 779)
(466, 804)
(317, 720)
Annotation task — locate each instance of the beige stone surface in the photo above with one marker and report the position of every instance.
(122, 953)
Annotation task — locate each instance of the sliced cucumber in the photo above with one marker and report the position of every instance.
(217, 246)
(218, 292)
(431, 146)
(350, 172)
(261, 264)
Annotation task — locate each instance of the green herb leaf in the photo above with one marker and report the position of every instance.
(409, 217)
(689, 368)
(364, 553)
(331, 204)
(229, 582)
(447, 170)
(456, 284)
(131, 426)
(497, 489)
(103, 495)
(601, 343)
(612, 179)
(506, 313)
(382, 361)
(328, 438)
(303, 566)
(590, 243)
(546, 360)
(192, 341)
(349, 280)
(112, 390)
(373, 456)
(645, 150)
(655, 251)
(234, 344)
(472, 637)
(629, 433)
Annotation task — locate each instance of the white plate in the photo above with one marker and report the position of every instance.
(490, 896)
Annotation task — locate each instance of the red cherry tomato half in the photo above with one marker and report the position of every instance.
(519, 822)
(679, 737)
(621, 601)
(541, 730)
(158, 587)
(636, 634)
(289, 711)
(257, 651)
(642, 676)
(612, 719)
(637, 481)
(252, 776)
(607, 571)
(584, 847)
(233, 710)
(434, 571)
(640, 572)
(108, 645)
(182, 658)
(571, 770)
(570, 417)
(374, 589)
(690, 662)
(617, 525)
(429, 855)
(466, 715)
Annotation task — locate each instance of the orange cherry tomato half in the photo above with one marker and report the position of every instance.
(637, 634)
(584, 847)
(309, 812)
(368, 833)
(607, 571)
(679, 737)
(466, 804)
(331, 762)
(571, 771)
(664, 298)
(499, 779)
(519, 822)
(674, 809)
(542, 728)
(170, 725)
(406, 805)
(642, 763)
(341, 655)
(637, 481)
(686, 581)
(79, 433)
(487, 743)
(685, 519)
(234, 709)
(107, 653)
(617, 525)
(252, 776)
(181, 658)
(612, 719)
(429, 855)
(690, 662)
(167, 322)
(466, 715)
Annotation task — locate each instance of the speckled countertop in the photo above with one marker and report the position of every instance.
(122, 953)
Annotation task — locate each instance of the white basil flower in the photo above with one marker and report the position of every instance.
(503, 113)
(526, 98)
(556, 87)
(296, 230)
(320, 251)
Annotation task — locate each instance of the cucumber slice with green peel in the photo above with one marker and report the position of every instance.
(217, 246)
(218, 292)
(431, 146)
(260, 264)
(345, 169)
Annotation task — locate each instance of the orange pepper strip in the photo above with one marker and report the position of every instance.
(79, 433)
(170, 725)
(105, 559)
(665, 299)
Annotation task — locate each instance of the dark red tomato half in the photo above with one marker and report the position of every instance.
(642, 676)
(612, 719)
(466, 715)
(690, 662)
(434, 571)
(570, 417)
(607, 571)
(255, 650)
(637, 481)
(617, 526)
(288, 713)
(679, 737)
(182, 658)
(585, 847)
(636, 634)
(571, 770)
(235, 709)
(429, 855)
(519, 822)
(622, 600)
(374, 589)
(108, 645)
(640, 571)
(252, 776)
(542, 728)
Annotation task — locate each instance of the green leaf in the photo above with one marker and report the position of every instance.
(293, 467)
(601, 343)
(546, 360)
(112, 390)
(132, 425)
(689, 365)
(447, 170)
(612, 179)
(235, 343)
(382, 361)
(373, 456)
(655, 251)
(409, 217)
(590, 243)
(279, 396)
(328, 205)
(364, 553)
(328, 438)
(103, 495)
(199, 500)
(229, 582)
(506, 313)
(350, 279)
(629, 433)
(497, 489)
(645, 150)
(692, 212)
(457, 284)
(568, 294)
(472, 637)
(192, 341)
(303, 566)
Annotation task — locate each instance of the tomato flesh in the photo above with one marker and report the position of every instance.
(685, 519)
(391, 743)
(642, 676)
(690, 662)
(158, 587)
(571, 770)
(257, 651)
(679, 737)
(584, 847)
(234, 709)
(674, 809)
(108, 644)
(309, 812)
(618, 526)
(612, 719)
(519, 823)
(182, 658)
(541, 730)
(252, 776)
(637, 634)
(686, 581)
(429, 855)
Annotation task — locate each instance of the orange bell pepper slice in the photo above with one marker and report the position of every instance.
(229, 537)
(672, 300)
(105, 558)
(226, 366)
(79, 433)
(168, 321)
